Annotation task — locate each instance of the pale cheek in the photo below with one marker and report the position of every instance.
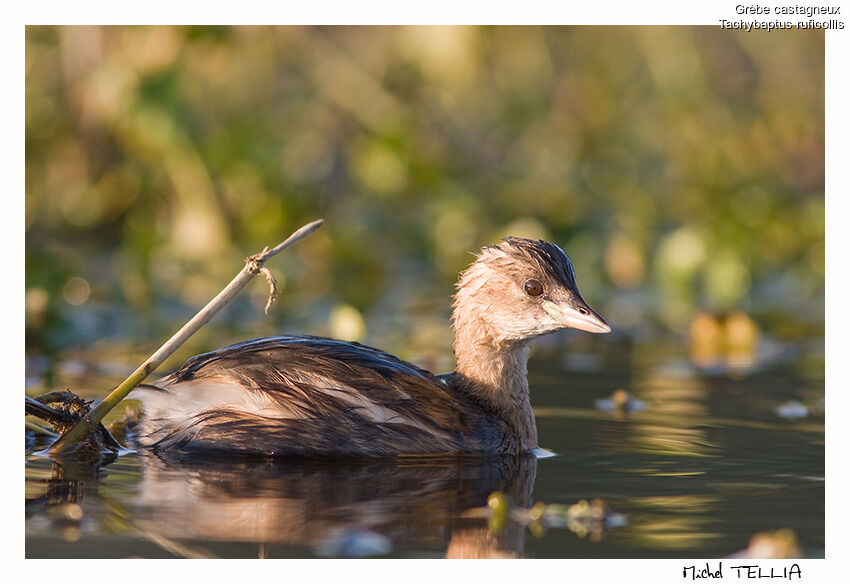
(528, 325)
(510, 312)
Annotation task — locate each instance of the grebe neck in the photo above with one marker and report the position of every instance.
(495, 374)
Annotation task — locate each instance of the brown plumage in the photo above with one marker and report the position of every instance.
(312, 396)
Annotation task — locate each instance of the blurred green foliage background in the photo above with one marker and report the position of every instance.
(680, 168)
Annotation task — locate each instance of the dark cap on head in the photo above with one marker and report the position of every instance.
(547, 257)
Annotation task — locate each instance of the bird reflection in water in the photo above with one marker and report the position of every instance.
(318, 503)
(328, 507)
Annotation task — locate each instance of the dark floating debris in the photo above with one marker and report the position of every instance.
(62, 410)
(620, 401)
(586, 519)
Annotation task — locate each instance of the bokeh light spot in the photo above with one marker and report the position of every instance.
(76, 291)
(347, 323)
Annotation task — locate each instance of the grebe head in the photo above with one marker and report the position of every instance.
(520, 289)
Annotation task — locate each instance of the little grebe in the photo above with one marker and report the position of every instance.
(314, 396)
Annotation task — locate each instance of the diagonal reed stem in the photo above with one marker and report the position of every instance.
(253, 266)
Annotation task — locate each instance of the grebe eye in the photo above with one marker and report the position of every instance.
(533, 287)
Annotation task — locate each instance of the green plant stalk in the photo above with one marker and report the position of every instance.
(253, 266)
(39, 429)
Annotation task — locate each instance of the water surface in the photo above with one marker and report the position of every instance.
(707, 456)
